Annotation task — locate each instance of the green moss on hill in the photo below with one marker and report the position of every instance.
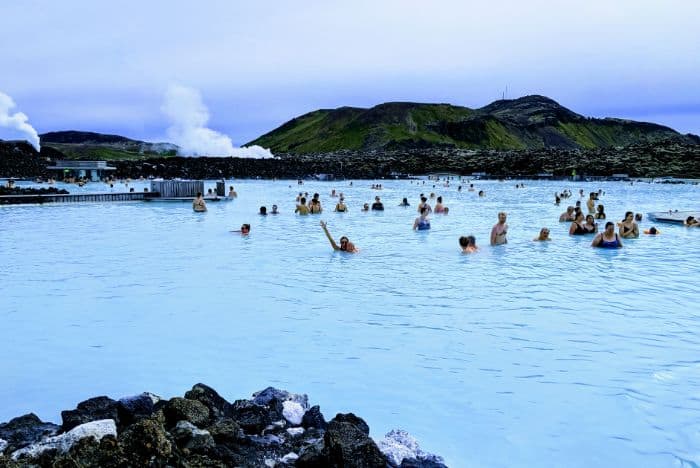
(531, 122)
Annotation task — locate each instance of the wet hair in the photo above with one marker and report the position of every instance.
(302, 200)
(424, 210)
(589, 216)
(245, 227)
(439, 199)
(471, 240)
(263, 210)
(601, 208)
(638, 217)
(463, 242)
(689, 219)
(627, 214)
(423, 199)
(652, 230)
(608, 224)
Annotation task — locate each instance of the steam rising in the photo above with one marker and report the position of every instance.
(17, 121)
(188, 117)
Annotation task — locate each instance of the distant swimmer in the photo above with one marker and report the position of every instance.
(302, 209)
(424, 204)
(481, 193)
(404, 202)
(315, 206)
(244, 230)
(628, 227)
(341, 207)
(468, 244)
(500, 230)
(652, 231)
(232, 193)
(607, 239)
(345, 244)
(543, 236)
(263, 211)
(439, 207)
(199, 205)
(576, 228)
(568, 215)
(422, 223)
(590, 203)
(591, 226)
(274, 210)
(365, 207)
(690, 221)
(377, 205)
(600, 212)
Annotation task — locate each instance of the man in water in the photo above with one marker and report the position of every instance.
(377, 205)
(499, 230)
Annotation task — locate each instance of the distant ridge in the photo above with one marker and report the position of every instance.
(90, 145)
(529, 122)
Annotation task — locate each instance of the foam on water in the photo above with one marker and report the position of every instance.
(528, 354)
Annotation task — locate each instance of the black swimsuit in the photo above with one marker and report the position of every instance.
(580, 230)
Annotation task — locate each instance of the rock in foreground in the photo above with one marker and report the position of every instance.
(274, 429)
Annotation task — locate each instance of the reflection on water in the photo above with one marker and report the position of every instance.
(515, 355)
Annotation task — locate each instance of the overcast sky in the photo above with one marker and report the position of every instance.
(106, 66)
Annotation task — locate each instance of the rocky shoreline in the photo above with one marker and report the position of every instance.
(273, 429)
(669, 158)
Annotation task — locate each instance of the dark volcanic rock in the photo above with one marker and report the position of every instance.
(314, 418)
(354, 420)
(218, 406)
(251, 417)
(348, 445)
(182, 409)
(25, 430)
(197, 432)
(225, 430)
(93, 409)
(131, 409)
(144, 441)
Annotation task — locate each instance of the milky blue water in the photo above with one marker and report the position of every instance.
(528, 354)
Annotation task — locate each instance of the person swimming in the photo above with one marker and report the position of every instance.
(302, 209)
(652, 231)
(500, 230)
(274, 210)
(404, 202)
(543, 235)
(576, 228)
(263, 211)
(422, 223)
(628, 227)
(345, 244)
(600, 213)
(468, 244)
(244, 230)
(439, 207)
(607, 239)
(199, 205)
(568, 215)
(341, 207)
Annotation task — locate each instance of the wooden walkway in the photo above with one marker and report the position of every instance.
(76, 198)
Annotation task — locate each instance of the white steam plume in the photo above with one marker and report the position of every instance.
(188, 117)
(17, 121)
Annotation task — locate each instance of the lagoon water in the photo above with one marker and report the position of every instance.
(528, 354)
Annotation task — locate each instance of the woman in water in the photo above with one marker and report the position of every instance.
(600, 214)
(345, 244)
(341, 207)
(499, 230)
(543, 236)
(468, 244)
(439, 207)
(608, 239)
(576, 228)
(422, 223)
(591, 226)
(404, 202)
(199, 205)
(628, 227)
